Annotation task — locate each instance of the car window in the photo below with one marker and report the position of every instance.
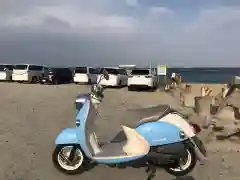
(112, 71)
(59, 71)
(2, 67)
(140, 72)
(9, 67)
(46, 69)
(20, 67)
(65, 71)
(35, 68)
(81, 70)
(93, 71)
(122, 72)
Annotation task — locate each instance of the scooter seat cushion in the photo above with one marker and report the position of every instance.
(135, 117)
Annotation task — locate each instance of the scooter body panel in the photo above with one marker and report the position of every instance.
(67, 136)
(160, 133)
(82, 116)
(118, 159)
(178, 121)
(81, 119)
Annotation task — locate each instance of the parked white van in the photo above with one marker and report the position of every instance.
(141, 77)
(85, 75)
(6, 72)
(27, 73)
(117, 77)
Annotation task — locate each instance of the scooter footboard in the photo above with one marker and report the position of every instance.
(67, 136)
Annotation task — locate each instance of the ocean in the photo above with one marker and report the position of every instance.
(206, 75)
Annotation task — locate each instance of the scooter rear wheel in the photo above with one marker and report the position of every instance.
(61, 161)
(185, 164)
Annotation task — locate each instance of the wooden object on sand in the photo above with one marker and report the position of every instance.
(226, 113)
(202, 104)
(228, 131)
(205, 90)
(189, 100)
(188, 88)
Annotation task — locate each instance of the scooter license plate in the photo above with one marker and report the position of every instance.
(200, 145)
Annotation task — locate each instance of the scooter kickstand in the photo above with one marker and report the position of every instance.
(151, 172)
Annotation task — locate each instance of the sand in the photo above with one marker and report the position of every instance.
(31, 115)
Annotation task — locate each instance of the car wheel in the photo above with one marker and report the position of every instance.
(34, 80)
(120, 84)
(89, 81)
(55, 82)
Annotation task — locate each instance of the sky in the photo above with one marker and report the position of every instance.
(109, 32)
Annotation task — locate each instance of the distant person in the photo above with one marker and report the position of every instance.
(176, 79)
(173, 77)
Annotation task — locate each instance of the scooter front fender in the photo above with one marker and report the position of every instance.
(67, 136)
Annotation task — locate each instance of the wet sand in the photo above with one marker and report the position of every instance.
(31, 115)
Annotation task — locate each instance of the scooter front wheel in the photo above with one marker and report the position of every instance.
(69, 159)
(184, 165)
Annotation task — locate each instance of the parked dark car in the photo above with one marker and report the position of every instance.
(57, 76)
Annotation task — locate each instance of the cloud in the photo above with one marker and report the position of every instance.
(133, 3)
(214, 19)
(69, 17)
(80, 31)
(212, 37)
(160, 10)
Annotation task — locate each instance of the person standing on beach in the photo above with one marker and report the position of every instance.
(176, 79)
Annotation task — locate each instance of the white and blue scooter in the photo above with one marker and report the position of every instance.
(166, 141)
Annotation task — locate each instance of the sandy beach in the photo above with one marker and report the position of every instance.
(31, 115)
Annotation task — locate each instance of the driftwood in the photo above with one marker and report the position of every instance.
(205, 90)
(227, 132)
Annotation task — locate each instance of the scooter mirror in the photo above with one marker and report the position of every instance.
(105, 74)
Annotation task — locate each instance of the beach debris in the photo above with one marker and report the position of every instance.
(234, 99)
(188, 100)
(202, 104)
(225, 89)
(226, 118)
(227, 113)
(188, 88)
(220, 113)
(167, 88)
(205, 90)
(228, 132)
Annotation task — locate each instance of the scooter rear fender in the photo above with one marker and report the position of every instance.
(67, 136)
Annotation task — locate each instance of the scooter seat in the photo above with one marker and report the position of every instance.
(137, 117)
